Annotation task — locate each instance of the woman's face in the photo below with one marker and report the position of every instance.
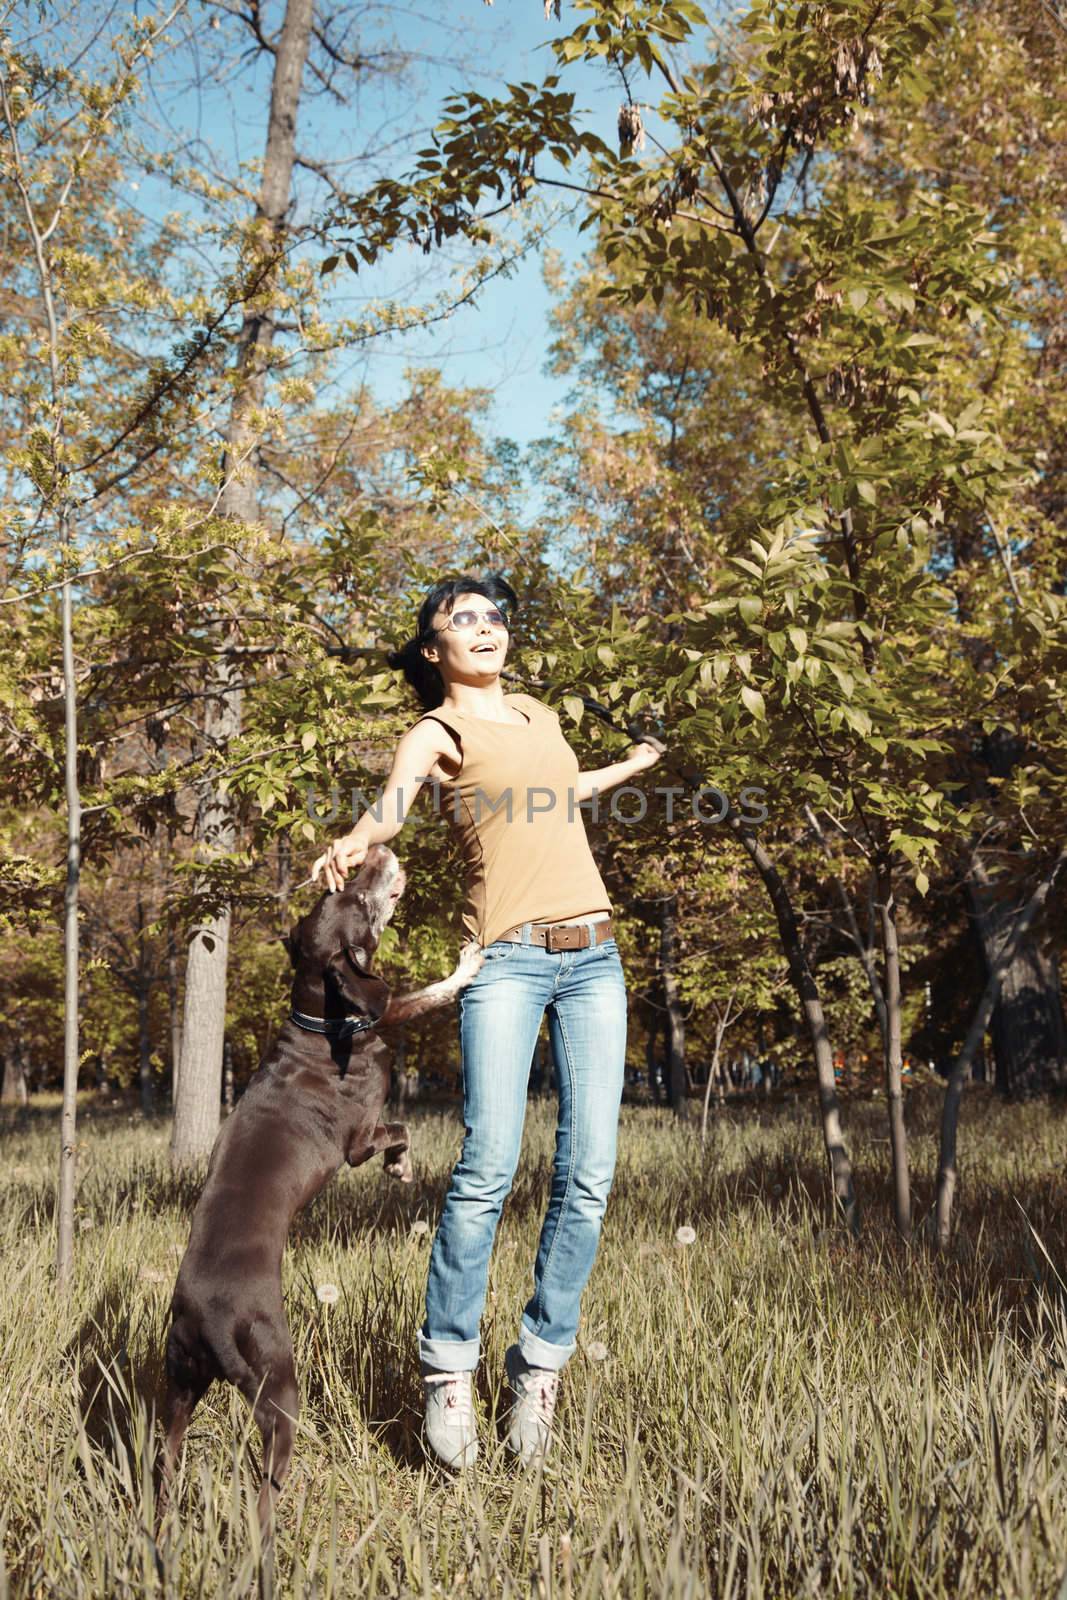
(471, 654)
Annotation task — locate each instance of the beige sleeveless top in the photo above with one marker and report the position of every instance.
(514, 808)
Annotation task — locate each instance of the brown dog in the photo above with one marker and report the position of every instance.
(315, 1102)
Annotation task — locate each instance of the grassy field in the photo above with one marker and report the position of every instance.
(767, 1411)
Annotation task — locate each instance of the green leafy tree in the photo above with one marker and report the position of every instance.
(43, 179)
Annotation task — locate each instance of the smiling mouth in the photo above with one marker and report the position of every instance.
(481, 649)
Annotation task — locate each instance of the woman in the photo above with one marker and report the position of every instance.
(537, 905)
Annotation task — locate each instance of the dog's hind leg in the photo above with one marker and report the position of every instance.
(186, 1387)
(268, 1383)
(276, 1410)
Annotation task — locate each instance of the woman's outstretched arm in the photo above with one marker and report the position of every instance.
(415, 754)
(638, 758)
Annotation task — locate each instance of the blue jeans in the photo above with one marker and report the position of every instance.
(500, 1014)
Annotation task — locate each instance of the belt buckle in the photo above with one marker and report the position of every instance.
(564, 936)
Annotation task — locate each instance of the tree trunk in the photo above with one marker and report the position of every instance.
(69, 1115)
(1027, 1027)
(175, 1014)
(722, 1022)
(196, 1111)
(284, 872)
(227, 1075)
(674, 1020)
(898, 1137)
(104, 1086)
(144, 1019)
(863, 949)
(946, 1167)
(803, 981)
(15, 1091)
(651, 1043)
(144, 1051)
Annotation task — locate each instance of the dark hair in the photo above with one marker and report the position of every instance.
(424, 676)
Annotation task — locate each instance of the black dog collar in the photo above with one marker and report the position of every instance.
(343, 1028)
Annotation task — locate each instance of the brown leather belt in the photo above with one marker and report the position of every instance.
(562, 935)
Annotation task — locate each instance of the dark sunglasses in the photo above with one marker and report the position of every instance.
(469, 619)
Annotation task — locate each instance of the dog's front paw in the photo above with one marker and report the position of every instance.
(471, 960)
(398, 1165)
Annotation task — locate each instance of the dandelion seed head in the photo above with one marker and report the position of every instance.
(328, 1294)
(420, 1225)
(686, 1235)
(597, 1350)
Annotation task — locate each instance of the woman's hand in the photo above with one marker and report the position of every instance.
(338, 861)
(645, 754)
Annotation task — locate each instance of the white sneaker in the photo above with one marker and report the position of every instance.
(449, 1412)
(535, 1390)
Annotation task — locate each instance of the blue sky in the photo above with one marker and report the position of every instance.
(498, 342)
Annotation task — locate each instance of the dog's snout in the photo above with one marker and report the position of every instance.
(381, 876)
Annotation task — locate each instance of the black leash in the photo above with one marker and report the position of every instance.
(690, 776)
(632, 728)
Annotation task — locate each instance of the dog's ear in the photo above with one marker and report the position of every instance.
(367, 995)
(291, 941)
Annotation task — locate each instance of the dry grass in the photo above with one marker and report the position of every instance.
(779, 1414)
